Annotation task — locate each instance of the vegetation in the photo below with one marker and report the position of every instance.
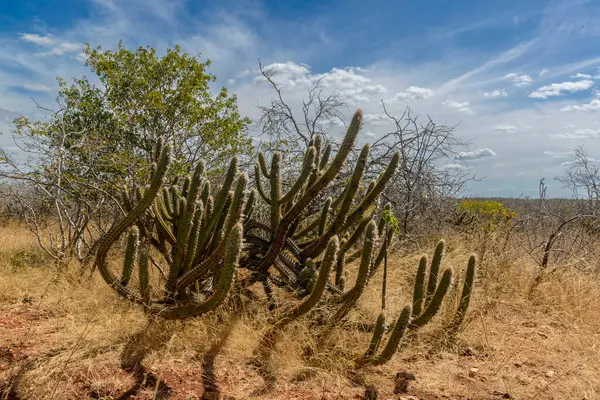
(302, 268)
(102, 137)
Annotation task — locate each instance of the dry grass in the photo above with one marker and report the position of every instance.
(67, 336)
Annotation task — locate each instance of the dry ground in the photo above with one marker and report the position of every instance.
(64, 337)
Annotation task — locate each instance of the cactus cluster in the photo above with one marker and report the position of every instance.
(427, 301)
(192, 244)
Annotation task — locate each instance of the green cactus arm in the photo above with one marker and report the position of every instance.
(164, 200)
(324, 214)
(370, 198)
(339, 267)
(307, 168)
(263, 165)
(275, 183)
(319, 286)
(207, 215)
(378, 332)
(465, 297)
(195, 184)
(218, 232)
(164, 203)
(175, 200)
(205, 192)
(192, 246)
(368, 204)
(316, 141)
(249, 207)
(307, 229)
(236, 210)
(316, 247)
(139, 193)
(259, 186)
(352, 188)
(336, 203)
(382, 252)
(113, 234)
(164, 231)
(349, 299)
(187, 182)
(371, 186)
(434, 270)
(222, 287)
(397, 333)
(325, 157)
(436, 301)
(183, 235)
(419, 290)
(358, 232)
(218, 204)
(133, 240)
(311, 193)
(143, 274)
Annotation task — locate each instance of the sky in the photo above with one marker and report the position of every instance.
(520, 80)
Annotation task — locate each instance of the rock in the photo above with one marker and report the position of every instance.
(467, 352)
(371, 393)
(473, 372)
(401, 381)
(550, 374)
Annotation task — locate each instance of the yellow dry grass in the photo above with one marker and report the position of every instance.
(62, 336)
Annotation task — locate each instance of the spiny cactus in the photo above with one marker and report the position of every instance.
(427, 300)
(176, 222)
(465, 296)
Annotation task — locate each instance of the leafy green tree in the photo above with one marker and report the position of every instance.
(113, 126)
(102, 137)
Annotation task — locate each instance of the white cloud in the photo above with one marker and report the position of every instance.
(574, 162)
(580, 75)
(519, 80)
(579, 134)
(37, 87)
(523, 125)
(369, 134)
(459, 167)
(374, 119)
(37, 39)
(459, 106)
(505, 128)
(476, 154)
(543, 72)
(593, 105)
(554, 154)
(61, 49)
(557, 89)
(348, 82)
(496, 93)
(413, 93)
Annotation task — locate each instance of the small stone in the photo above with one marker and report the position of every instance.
(473, 372)
(550, 373)
(401, 381)
(468, 352)
(371, 393)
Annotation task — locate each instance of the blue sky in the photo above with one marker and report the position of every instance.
(519, 77)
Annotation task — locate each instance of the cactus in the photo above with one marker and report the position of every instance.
(130, 254)
(284, 232)
(465, 296)
(187, 233)
(349, 299)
